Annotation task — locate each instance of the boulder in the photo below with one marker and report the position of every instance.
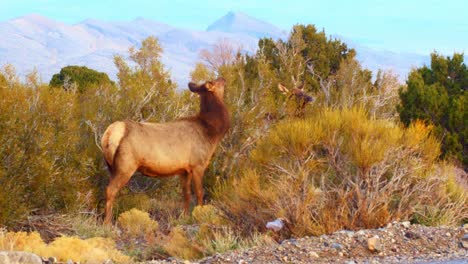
(19, 257)
(373, 244)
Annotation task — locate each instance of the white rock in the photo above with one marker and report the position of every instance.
(276, 225)
(406, 224)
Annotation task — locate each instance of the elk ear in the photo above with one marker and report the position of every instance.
(221, 81)
(209, 86)
(283, 88)
(301, 86)
(194, 87)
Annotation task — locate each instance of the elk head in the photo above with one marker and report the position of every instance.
(215, 87)
(301, 97)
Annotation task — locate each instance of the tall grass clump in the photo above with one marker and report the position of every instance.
(341, 169)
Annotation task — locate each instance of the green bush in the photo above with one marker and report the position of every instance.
(437, 95)
(80, 78)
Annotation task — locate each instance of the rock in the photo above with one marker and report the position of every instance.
(412, 235)
(373, 244)
(337, 246)
(464, 241)
(360, 232)
(19, 257)
(448, 234)
(406, 224)
(52, 260)
(313, 254)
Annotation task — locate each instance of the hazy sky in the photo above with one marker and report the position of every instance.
(419, 26)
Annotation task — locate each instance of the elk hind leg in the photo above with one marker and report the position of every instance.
(119, 179)
(186, 180)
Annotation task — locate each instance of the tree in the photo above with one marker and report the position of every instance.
(146, 90)
(306, 47)
(79, 77)
(221, 54)
(437, 95)
(201, 73)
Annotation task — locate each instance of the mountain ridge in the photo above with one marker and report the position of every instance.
(38, 41)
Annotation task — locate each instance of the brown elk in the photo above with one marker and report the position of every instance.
(302, 99)
(183, 147)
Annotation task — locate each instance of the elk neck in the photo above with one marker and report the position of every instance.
(214, 115)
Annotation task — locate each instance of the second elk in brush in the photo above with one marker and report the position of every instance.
(299, 95)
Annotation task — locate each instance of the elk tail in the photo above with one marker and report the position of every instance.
(110, 142)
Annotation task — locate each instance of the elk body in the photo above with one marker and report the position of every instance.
(183, 147)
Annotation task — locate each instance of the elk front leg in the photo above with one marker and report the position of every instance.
(198, 182)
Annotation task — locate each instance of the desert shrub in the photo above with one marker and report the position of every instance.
(44, 168)
(136, 223)
(207, 214)
(93, 250)
(178, 244)
(336, 170)
(449, 199)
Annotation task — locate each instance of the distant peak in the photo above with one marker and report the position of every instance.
(236, 15)
(239, 22)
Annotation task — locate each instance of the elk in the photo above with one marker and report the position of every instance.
(183, 147)
(302, 99)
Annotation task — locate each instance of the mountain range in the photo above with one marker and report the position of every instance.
(35, 41)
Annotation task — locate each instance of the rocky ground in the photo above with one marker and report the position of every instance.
(397, 243)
